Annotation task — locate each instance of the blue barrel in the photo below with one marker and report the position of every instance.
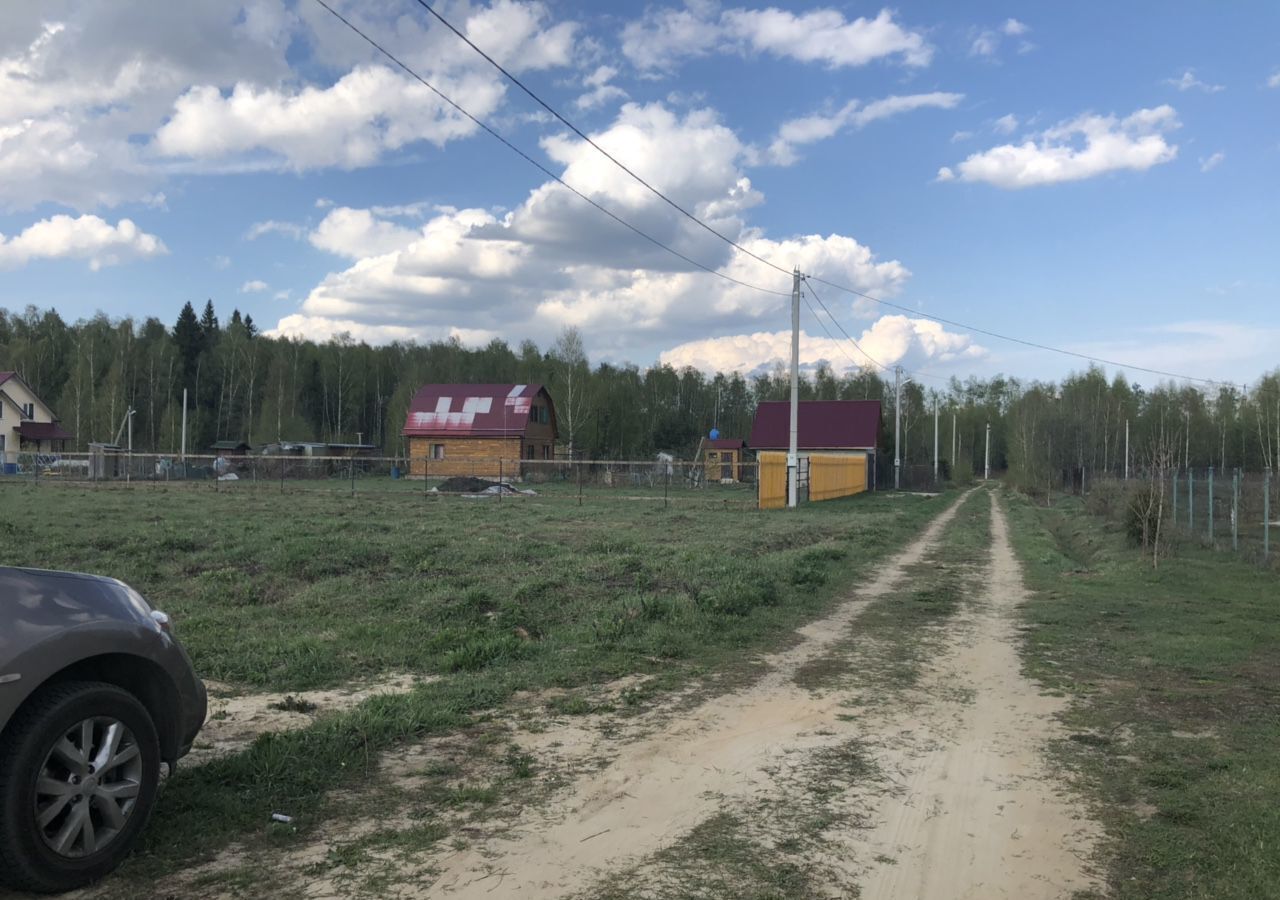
(11, 468)
(395, 473)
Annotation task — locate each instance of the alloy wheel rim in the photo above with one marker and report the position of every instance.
(88, 787)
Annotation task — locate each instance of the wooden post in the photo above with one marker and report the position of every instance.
(578, 466)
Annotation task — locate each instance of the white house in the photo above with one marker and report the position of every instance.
(27, 424)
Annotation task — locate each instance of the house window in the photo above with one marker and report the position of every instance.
(546, 451)
(28, 410)
(528, 453)
(533, 413)
(544, 415)
(437, 451)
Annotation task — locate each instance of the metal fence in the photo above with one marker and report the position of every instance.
(668, 481)
(1228, 510)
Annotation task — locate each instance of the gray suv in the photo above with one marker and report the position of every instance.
(95, 692)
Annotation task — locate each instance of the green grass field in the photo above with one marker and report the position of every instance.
(294, 591)
(1175, 675)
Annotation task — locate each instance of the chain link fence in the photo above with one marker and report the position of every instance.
(664, 480)
(1231, 511)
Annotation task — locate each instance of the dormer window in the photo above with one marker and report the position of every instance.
(28, 410)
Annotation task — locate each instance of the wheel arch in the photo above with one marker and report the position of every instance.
(141, 677)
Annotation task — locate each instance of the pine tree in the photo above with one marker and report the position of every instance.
(189, 338)
(249, 327)
(209, 325)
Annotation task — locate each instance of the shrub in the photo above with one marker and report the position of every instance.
(1143, 514)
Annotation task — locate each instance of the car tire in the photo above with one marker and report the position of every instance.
(63, 821)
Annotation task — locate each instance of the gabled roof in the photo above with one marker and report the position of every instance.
(821, 425)
(6, 377)
(478, 410)
(228, 445)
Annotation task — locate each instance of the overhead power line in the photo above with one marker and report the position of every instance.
(613, 159)
(539, 166)
(1016, 340)
(848, 336)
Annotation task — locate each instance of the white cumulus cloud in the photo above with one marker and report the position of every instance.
(666, 36)
(889, 341)
(854, 114)
(553, 261)
(83, 237)
(255, 286)
(1212, 162)
(1083, 147)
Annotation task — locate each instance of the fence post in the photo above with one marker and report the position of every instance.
(282, 459)
(578, 466)
(1191, 500)
(1175, 497)
(501, 476)
(1266, 516)
(1211, 504)
(666, 484)
(1235, 511)
(352, 465)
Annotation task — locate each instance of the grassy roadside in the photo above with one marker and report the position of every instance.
(1175, 677)
(297, 592)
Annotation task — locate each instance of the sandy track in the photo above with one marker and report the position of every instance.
(977, 814)
(657, 789)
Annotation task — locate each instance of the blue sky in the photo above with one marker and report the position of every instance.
(1101, 177)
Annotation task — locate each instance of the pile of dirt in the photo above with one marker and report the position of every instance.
(467, 484)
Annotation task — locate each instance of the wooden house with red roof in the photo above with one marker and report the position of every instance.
(486, 430)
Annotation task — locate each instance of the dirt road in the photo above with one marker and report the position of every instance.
(932, 787)
(978, 815)
(974, 812)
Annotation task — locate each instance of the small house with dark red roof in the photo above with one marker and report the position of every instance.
(486, 430)
(27, 424)
(723, 458)
(829, 427)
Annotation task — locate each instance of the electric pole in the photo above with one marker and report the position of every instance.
(986, 465)
(935, 440)
(897, 427)
(793, 457)
(955, 449)
(1126, 449)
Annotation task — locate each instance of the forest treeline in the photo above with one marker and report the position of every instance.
(246, 386)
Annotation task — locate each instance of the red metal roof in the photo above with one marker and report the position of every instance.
(480, 410)
(5, 376)
(43, 431)
(722, 444)
(821, 425)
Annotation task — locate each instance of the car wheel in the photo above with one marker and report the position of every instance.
(79, 767)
